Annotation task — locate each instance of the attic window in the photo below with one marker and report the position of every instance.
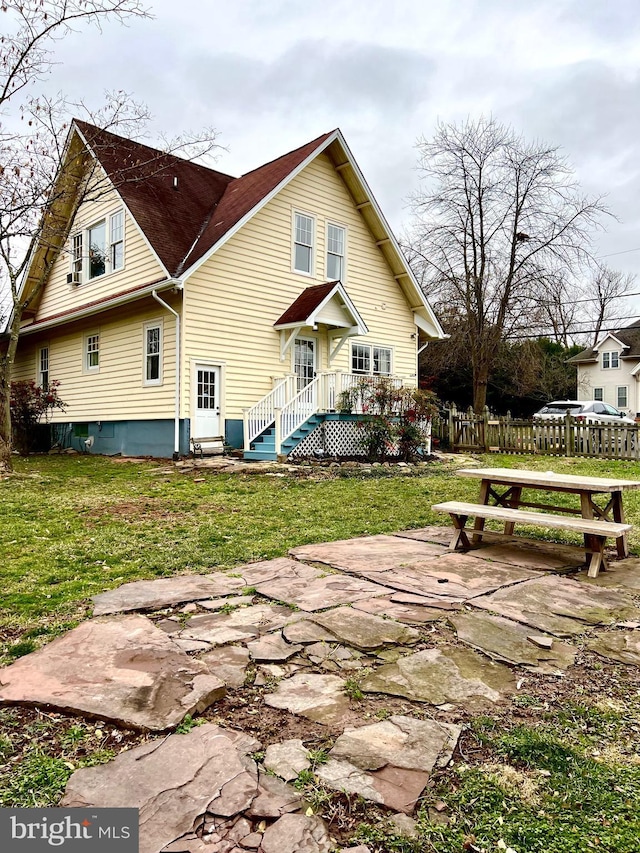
(610, 360)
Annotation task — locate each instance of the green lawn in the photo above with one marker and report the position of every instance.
(73, 526)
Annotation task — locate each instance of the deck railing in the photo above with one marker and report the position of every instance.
(288, 410)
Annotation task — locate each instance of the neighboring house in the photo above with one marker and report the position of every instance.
(610, 370)
(186, 303)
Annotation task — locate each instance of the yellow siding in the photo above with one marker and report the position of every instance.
(140, 264)
(233, 299)
(116, 392)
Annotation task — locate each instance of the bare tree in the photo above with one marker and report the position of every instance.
(44, 173)
(604, 299)
(495, 219)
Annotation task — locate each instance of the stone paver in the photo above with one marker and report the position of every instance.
(180, 778)
(297, 834)
(509, 641)
(305, 631)
(410, 614)
(432, 533)
(231, 601)
(287, 759)
(623, 574)
(538, 556)
(272, 648)
(559, 605)
(120, 668)
(370, 553)
(363, 630)
(318, 593)
(320, 698)
(228, 663)
(621, 646)
(241, 624)
(443, 675)
(163, 592)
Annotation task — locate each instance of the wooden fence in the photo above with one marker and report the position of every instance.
(565, 436)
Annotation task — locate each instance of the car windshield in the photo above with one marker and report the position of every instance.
(560, 408)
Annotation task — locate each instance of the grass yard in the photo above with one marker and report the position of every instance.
(557, 771)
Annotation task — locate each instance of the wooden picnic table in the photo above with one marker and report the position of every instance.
(587, 488)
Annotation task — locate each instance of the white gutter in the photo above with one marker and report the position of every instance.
(176, 417)
(93, 308)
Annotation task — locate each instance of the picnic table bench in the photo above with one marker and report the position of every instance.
(595, 531)
(501, 499)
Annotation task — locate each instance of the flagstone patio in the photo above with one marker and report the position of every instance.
(380, 616)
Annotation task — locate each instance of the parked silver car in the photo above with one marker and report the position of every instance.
(586, 411)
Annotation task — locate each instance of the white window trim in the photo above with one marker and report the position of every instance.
(152, 324)
(610, 366)
(344, 252)
(601, 398)
(85, 352)
(39, 364)
(84, 233)
(314, 240)
(371, 347)
(618, 389)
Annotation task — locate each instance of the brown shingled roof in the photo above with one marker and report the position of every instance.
(306, 303)
(183, 223)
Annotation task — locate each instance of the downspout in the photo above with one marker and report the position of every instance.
(176, 418)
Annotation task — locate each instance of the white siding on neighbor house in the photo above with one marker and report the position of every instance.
(592, 376)
(116, 391)
(140, 263)
(232, 301)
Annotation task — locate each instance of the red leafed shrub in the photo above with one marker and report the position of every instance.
(29, 404)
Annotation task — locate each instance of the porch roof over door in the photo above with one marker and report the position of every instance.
(328, 304)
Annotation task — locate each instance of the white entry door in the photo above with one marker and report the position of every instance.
(207, 409)
(304, 362)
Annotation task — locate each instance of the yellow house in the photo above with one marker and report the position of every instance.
(182, 303)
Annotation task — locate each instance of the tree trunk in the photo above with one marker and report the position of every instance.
(5, 419)
(480, 383)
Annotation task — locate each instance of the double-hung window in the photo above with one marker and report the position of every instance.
(303, 243)
(153, 354)
(598, 394)
(372, 360)
(43, 368)
(116, 240)
(98, 249)
(622, 396)
(336, 235)
(92, 352)
(610, 360)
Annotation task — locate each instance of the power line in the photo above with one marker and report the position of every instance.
(613, 254)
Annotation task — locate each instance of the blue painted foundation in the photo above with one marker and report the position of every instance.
(234, 433)
(129, 438)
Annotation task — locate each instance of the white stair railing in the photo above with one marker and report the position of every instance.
(257, 418)
(299, 409)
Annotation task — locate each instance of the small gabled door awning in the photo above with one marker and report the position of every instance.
(327, 304)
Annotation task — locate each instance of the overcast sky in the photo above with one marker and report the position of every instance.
(272, 74)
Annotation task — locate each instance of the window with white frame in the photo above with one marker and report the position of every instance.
(116, 240)
(622, 396)
(336, 239)
(43, 368)
(610, 359)
(598, 394)
(374, 360)
(153, 354)
(303, 243)
(98, 249)
(92, 352)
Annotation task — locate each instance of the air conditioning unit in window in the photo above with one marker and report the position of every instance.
(74, 278)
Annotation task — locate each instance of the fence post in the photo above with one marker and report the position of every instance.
(485, 429)
(569, 435)
(451, 436)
